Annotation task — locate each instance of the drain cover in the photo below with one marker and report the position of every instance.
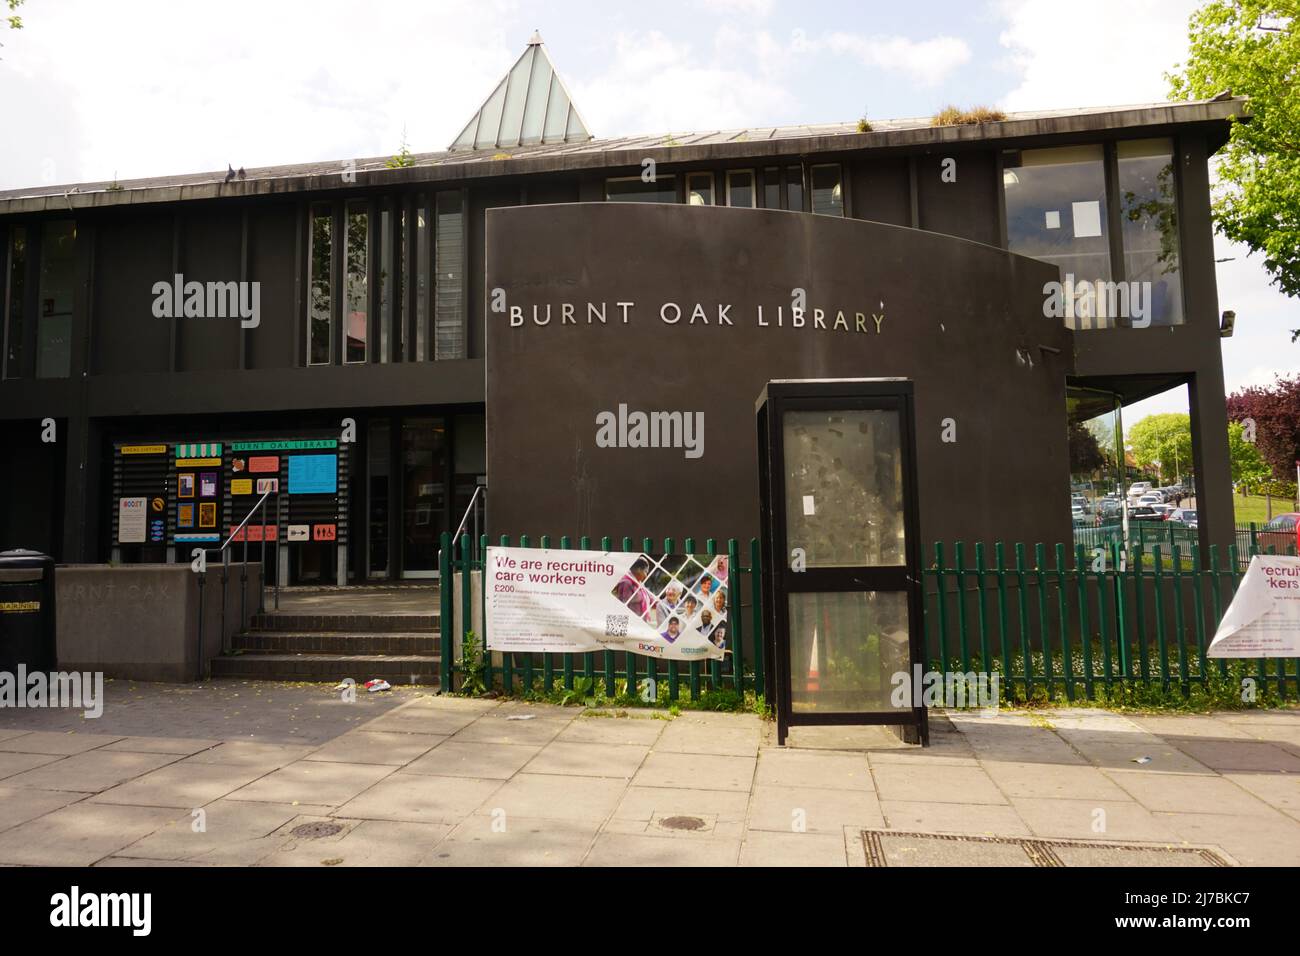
(314, 831)
(682, 823)
(902, 848)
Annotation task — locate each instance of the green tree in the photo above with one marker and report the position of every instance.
(15, 22)
(1252, 48)
(1164, 439)
(1247, 465)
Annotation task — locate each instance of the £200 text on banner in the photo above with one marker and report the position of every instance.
(672, 606)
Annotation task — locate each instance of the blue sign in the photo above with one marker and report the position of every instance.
(313, 474)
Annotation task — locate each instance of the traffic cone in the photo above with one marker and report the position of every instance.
(814, 675)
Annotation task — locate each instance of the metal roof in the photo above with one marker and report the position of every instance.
(756, 144)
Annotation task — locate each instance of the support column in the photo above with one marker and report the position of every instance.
(1209, 416)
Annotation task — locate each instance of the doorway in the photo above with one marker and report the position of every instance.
(841, 557)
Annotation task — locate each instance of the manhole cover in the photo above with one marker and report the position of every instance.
(682, 823)
(314, 831)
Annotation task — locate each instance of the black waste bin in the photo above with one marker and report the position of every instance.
(27, 633)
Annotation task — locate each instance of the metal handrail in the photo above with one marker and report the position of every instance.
(224, 551)
(469, 509)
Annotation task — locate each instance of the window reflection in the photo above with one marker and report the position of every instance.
(1056, 211)
(358, 294)
(15, 301)
(663, 189)
(827, 190)
(449, 306)
(699, 189)
(54, 322)
(320, 306)
(1149, 215)
(740, 188)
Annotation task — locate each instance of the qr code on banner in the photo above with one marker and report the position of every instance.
(616, 625)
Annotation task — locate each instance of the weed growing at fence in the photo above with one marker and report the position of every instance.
(590, 693)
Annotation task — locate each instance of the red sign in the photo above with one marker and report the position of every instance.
(270, 463)
(323, 532)
(256, 532)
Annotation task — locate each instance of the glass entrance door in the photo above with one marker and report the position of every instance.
(839, 504)
(424, 494)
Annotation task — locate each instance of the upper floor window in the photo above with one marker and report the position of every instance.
(634, 189)
(356, 283)
(827, 190)
(1059, 203)
(740, 188)
(1149, 224)
(699, 189)
(38, 282)
(320, 285)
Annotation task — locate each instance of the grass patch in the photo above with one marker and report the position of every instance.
(954, 116)
(1255, 508)
(590, 693)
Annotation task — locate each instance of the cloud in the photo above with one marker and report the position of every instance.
(927, 62)
(1092, 52)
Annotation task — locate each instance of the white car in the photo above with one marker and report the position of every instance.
(1151, 498)
(1138, 488)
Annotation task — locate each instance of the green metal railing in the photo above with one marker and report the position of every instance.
(519, 671)
(1110, 618)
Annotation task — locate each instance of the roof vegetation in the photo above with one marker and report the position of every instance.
(953, 116)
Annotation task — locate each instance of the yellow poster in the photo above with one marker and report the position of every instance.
(241, 486)
(144, 449)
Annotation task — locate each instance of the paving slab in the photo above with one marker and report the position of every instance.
(872, 738)
(633, 849)
(498, 728)
(588, 760)
(424, 720)
(313, 781)
(251, 753)
(1252, 840)
(1247, 755)
(482, 840)
(1080, 819)
(763, 848)
(588, 729)
(181, 746)
(453, 758)
(79, 834)
(660, 809)
(1278, 790)
(812, 810)
(368, 843)
(420, 798)
(907, 849)
(182, 785)
(1036, 780)
(1190, 725)
(566, 798)
(90, 772)
(228, 829)
(827, 770)
(49, 742)
(692, 735)
(360, 746)
(936, 784)
(983, 819)
(1189, 793)
(20, 804)
(13, 764)
(702, 771)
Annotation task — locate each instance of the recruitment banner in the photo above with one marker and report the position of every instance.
(1263, 619)
(668, 606)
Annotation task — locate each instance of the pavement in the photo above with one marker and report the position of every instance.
(245, 773)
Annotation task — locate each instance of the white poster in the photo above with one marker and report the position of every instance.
(132, 520)
(1263, 619)
(667, 606)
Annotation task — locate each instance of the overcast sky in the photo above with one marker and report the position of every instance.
(94, 89)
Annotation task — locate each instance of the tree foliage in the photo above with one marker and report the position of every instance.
(1166, 439)
(1248, 467)
(1252, 48)
(1086, 455)
(1275, 410)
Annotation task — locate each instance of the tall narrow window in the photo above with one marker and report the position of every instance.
(386, 277)
(1149, 217)
(449, 314)
(661, 189)
(422, 249)
(357, 306)
(772, 188)
(699, 189)
(15, 299)
(740, 188)
(827, 190)
(54, 324)
(794, 188)
(320, 306)
(400, 272)
(1056, 211)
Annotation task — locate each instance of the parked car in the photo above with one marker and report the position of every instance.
(1151, 498)
(1164, 511)
(1138, 489)
(1144, 513)
(1185, 516)
(1280, 534)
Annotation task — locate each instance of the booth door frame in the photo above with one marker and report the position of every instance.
(780, 581)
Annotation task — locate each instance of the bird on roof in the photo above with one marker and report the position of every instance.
(230, 172)
(242, 174)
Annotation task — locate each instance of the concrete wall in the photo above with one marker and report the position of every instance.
(140, 621)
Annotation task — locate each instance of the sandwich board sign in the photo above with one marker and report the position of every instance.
(1263, 619)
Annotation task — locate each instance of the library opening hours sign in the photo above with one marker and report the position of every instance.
(1264, 617)
(671, 606)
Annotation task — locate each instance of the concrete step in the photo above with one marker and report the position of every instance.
(353, 623)
(394, 668)
(336, 642)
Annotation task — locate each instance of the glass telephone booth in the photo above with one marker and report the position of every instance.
(842, 595)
